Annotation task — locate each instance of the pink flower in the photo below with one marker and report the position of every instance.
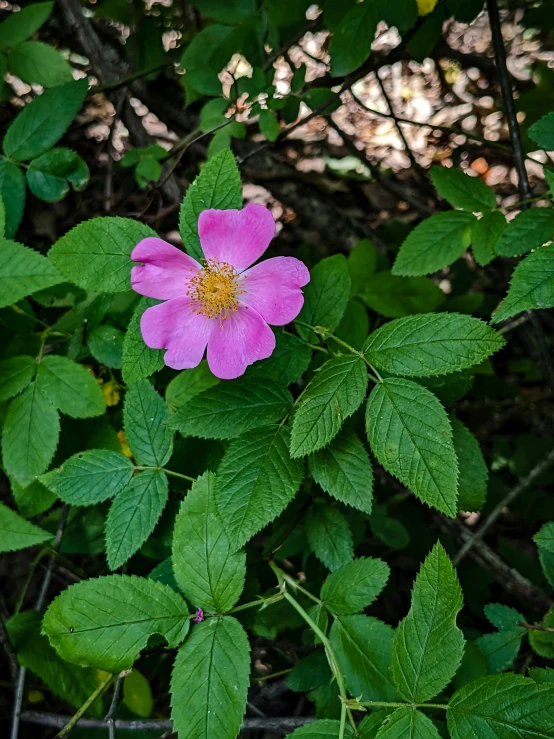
(225, 305)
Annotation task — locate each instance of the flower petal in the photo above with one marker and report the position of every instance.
(273, 289)
(165, 272)
(173, 326)
(243, 338)
(238, 237)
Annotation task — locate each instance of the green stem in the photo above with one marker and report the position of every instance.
(171, 473)
(333, 664)
(86, 705)
(259, 603)
(383, 704)
(294, 584)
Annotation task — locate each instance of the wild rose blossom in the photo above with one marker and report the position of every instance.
(224, 304)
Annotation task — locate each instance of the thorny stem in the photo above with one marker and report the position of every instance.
(86, 705)
(332, 660)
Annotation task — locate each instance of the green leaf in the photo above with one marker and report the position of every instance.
(217, 186)
(269, 125)
(288, 362)
(137, 694)
(210, 575)
(255, 482)
(502, 707)
(321, 99)
(95, 255)
(541, 674)
(461, 190)
(343, 470)
(210, 681)
(23, 271)
(329, 536)
(37, 63)
(106, 345)
(545, 537)
(542, 132)
(428, 646)
(144, 418)
(528, 230)
(431, 344)
(139, 361)
(395, 297)
(230, 11)
(326, 295)
(70, 387)
(501, 648)
(12, 192)
(18, 27)
(69, 682)
(32, 499)
(352, 39)
(17, 533)
(15, 374)
(410, 434)
(334, 394)
(486, 234)
(408, 723)
(133, 516)
(362, 261)
(531, 285)
(50, 175)
(189, 383)
(311, 672)
(354, 586)
(474, 474)
(322, 729)
(90, 477)
(106, 621)
(30, 435)
(434, 244)
(231, 408)
(44, 120)
(363, 647)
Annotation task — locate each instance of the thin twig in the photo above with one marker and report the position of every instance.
(8, 648)
(508, 98)
(57, 721)
(109, 718)
(535, 627)
(514, 493)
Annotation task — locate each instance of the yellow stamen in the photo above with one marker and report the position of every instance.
(214, 291)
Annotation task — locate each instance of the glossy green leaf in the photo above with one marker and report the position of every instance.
(269, 125)
(326, 295)
(461, 190)
(144, 421)
(17, 533)
(139, 361)
(528, 230)
(545, 537)
(335, 393)
(322, 729)
(38, 63)
(210, 575)
(30, 435)
(428, 646)
(18, 27)
(395, 297)
(23, 271)
(501, 648)
(217, 186)
(531, 285)
(474, 474)
(431, 344)
(351, 42)
(188, 383)
(106, 345)
(288, 362)
(502, 707)
(410, 434)
(133, 516)
(137, 694)
(485, 236)
(408, 723)
(436, 243)
(256, 480)
(96, 254)
(542, 132)
(363, 647)
(12, 192)
(44, 120)
(70, 387)
(90, 477)
(231, 408)
(210, 681)
(106, 621)
(329, 536)
(343, 469)
(15, 374)
(50, 175)
(354, 586)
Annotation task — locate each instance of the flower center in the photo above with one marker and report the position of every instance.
(214, 291)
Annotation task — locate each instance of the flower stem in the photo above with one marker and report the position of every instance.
(86, 705)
